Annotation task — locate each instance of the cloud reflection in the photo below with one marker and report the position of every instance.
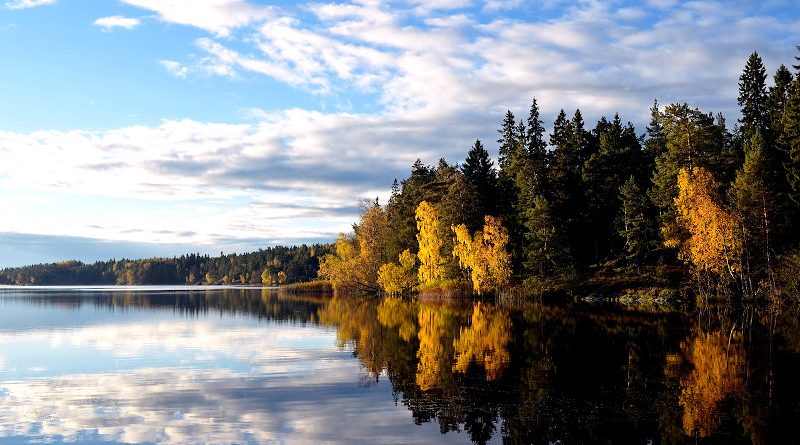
(194, 381)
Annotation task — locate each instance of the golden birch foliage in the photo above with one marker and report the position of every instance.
(431, 352)
(394, 313)
(394, 278)
(484, 254)
(485, 341)
(357, 259)
(337, 267)
(430, 241)
(715, 242)
(717, 375)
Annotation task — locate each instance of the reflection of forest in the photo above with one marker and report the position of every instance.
(539, 374)
(262, 303)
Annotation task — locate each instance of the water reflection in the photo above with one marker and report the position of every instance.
(242, 365)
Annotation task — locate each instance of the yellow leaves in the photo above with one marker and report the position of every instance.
(485, 341)
(337, 267)
(715, 242)
(394, 278)
(431, 352)
(396, 313)
(717, 374)
(430, 242)
(484, 254)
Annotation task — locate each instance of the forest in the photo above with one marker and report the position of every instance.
(270, 266)
(689, 200)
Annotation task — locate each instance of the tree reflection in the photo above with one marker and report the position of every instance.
(485, 341)
(717, 375)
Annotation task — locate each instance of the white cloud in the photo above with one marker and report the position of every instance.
(216, 16)
(117, 21)
(440, 81)
(493, 5)
(24, 4)
(175, 68)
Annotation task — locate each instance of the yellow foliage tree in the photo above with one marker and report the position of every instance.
(357, 259)
(717, 375)
(430, 241)
(485, 341)
(395, 278)
(715, 242)
(395, 313)
(484, 254)
(431, 352)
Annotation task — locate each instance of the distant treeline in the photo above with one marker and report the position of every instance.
(273, 265)
(690, 194)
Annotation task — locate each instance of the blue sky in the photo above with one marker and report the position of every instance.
(170, 126)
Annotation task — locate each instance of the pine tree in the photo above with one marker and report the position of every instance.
(753, 97)
(656, 142)
(635, 225)
(778, 99)
(790, 141)
(479, 172)
(507, 141)
(537, 148)
(547, 253)
(755, 196)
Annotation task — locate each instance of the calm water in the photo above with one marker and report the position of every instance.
(227, 365)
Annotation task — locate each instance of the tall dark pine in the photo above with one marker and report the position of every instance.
(778, 99)
(480, 174)
(753, 97)
(537, 148)
(790, 141)
(656, 142)
(507, 141)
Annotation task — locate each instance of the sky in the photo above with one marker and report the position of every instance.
(141, 128)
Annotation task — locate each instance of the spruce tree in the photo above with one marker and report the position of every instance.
(753, 97)
(754, 193)
(778, 99)
(634, 223)
(790, 141)
(479, 172)
(507, 141)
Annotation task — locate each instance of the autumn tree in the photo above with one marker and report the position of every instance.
(430, 241)
(714, 243)
(395, 278)
(484, 342)
(484, 254)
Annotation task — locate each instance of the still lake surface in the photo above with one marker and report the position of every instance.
(244, 365)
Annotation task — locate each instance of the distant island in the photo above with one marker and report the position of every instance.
(689, 201)
(270, 266)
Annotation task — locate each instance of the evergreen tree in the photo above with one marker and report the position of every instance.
(753, 97)
(537, 148)
(507, 141)
(479, 172)
(778, 100)
(634, 223)
(790, 141)
(616, 159)
(755, 196)
(656, 142)
(547, 253)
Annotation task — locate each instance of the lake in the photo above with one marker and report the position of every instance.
(244, 365)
